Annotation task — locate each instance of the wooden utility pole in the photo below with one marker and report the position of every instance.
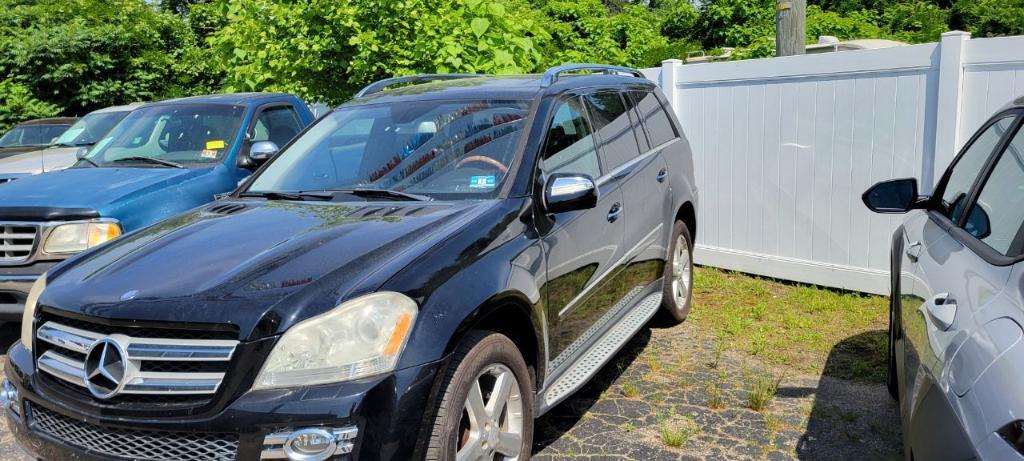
(790, 27)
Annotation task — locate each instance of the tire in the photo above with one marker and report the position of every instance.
(481, 361)
(676, 308)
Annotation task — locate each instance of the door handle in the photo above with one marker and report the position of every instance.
(662, 175)
(613, 214)
(942, 311)
(914, 251)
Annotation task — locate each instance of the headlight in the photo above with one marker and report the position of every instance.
(30, 310)
(362, 337)
(78, 237)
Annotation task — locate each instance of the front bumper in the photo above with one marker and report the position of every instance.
(15, 283)
(388, 412)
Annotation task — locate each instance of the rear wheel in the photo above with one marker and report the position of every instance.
(486, 412)
(676, 296)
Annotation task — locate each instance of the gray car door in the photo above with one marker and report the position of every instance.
(951, 282)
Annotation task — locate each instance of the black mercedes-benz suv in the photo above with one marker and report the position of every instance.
(419, 274)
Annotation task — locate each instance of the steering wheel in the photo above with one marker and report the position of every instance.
(483, 159)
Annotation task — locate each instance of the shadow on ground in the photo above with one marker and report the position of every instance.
(852, 416)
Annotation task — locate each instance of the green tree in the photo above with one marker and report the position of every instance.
(915, 21)
(990, 18)
(18, 104)
(81, 55)
(325, 50)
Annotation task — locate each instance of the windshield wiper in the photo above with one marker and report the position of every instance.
(152, 160)
(386, 193)
(86, 160)
(297, 196)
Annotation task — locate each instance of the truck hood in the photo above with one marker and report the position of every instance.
(91, 188)
(261, 266)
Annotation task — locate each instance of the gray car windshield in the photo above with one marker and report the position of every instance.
(89, 129)
(175, 133)
(447, 149)
(31, 135)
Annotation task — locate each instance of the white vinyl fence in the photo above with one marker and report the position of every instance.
(785, 147)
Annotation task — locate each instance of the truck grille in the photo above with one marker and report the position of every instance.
(17, 242)
(140, 369)
(134, 444)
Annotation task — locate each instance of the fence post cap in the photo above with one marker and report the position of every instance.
(956, 33)
(672, 61)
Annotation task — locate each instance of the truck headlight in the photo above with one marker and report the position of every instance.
(30, 311)
(359, 338)
(78, 237)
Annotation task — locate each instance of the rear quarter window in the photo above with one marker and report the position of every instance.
(656, 121)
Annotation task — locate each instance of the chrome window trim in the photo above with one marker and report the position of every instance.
(607, 177)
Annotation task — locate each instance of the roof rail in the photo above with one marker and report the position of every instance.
(552, 74)
(381, 85)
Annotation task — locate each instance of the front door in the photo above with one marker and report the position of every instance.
(953, 282)
(582, 246)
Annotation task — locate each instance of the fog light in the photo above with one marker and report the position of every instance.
(309, 444)
(9, 397)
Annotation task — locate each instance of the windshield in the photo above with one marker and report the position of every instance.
(31, 135)
(451, 149)
(89, 129)
(179, 133)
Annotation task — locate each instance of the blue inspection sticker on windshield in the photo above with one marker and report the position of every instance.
(482, 182)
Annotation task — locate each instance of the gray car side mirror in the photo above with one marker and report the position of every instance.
(893, 196)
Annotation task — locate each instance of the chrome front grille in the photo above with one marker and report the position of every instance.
(17, 241)
(133, 444)
(134, 365)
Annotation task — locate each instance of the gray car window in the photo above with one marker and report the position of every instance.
(659, 127)
(968, 167)
(998, 216)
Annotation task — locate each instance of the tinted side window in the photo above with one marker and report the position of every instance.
(967, 168)
(659, 127)
(614, 128)
(570, 142)
(277, 124)
(998, 217)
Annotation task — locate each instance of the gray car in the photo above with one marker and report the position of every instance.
(956, 359)
(63, 151)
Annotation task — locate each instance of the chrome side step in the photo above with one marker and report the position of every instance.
(599, 353)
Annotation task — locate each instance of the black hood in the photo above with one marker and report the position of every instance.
(261, 266)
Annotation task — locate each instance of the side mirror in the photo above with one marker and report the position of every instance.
(81, 153)
(894, 196)
(569, 192)
(262, 151)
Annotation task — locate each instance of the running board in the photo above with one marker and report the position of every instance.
(599, 353)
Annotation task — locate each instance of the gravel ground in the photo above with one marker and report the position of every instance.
(671, 394)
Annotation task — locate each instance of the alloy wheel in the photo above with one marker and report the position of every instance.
(491, 427)
(682, 272)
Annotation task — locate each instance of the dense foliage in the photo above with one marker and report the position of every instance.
(72, 56)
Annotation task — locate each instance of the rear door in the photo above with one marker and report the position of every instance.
(955, 278)
(631, 166)
(582, 246)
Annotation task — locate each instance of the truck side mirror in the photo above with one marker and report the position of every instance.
(262, 151)
(893, 196)
(81, 153)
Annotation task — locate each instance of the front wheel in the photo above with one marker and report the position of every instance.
(677, 294)
(486, 411)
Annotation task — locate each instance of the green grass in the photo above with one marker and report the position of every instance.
(761, 390)
(676, 431)
(807, 328)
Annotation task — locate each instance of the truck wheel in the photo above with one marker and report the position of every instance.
(486, 411)
(676, 296)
